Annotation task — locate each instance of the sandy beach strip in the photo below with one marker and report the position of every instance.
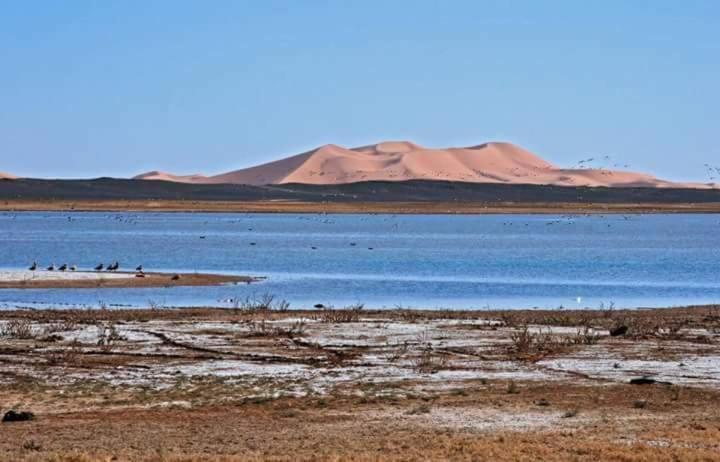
(395, 207)
(25, 279)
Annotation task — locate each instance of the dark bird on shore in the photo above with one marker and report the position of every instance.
(175, 277)
(63, 267)
(33, 267)
(99, 267)
(113, 266)
(51, 267)
(139, 269)
(73, 268)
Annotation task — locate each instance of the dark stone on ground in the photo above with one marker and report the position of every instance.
(618, 331)
(647, 381)
(14, 416)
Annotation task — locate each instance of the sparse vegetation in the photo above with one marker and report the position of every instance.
(18, 328)
(108, 335)
(263, 328)
(187, 369)
(347, 314)
(264, 302)
(429, 361)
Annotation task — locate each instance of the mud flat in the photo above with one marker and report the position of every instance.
(97, 279)
(353, 384)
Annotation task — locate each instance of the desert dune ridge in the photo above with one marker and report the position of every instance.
(492, 162)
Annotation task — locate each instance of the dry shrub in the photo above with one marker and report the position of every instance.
(397, 351)
(429, 360)
(69, 355)
(585, 336)
(347, 314)
(18, 328)
(62, 325)
(108, 335)
(527, 343)
(264, 302)
(263, 328)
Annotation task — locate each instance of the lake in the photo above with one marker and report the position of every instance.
(426, 261)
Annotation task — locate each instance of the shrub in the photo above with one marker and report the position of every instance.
(18, 328)
(347, 314)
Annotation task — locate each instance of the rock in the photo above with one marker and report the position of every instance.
(319, 306)
(642, 381)
(647, 381)
(618, 331)
(175, 277)
(13, 416)
(52, 338)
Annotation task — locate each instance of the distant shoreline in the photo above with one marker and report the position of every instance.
(404, 207)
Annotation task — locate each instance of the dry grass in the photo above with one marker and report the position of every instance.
(347, 314)
(18, 328)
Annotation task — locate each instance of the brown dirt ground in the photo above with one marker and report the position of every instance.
(209, 418)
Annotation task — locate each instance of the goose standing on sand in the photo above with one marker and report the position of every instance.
(63, 267)
(33, 267)
(99, 267)
(51, 267)
(139, 269)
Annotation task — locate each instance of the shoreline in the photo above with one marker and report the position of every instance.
(528, 315)
(394, 207)
(105, 280)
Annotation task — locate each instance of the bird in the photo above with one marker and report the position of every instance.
(51, 267)
(175, 277)
(33, 267)
(99, 267)
(73, 268)
(63, 267)
(113, 266)
(139, 269)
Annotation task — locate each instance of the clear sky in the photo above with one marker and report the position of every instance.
(95, 88)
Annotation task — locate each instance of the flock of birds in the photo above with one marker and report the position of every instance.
(112, 267)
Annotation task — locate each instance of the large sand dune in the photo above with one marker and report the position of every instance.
(495, 162)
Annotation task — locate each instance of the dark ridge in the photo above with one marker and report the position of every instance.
(373, 191)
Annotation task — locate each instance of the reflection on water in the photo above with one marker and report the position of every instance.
(454, 261)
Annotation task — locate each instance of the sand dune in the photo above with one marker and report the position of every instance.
(495, 162)
(6, 176)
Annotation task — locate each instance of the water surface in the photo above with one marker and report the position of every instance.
(446, 261)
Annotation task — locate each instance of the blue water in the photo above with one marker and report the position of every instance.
(429, 261)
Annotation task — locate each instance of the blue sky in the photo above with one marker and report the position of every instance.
(93, 88)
